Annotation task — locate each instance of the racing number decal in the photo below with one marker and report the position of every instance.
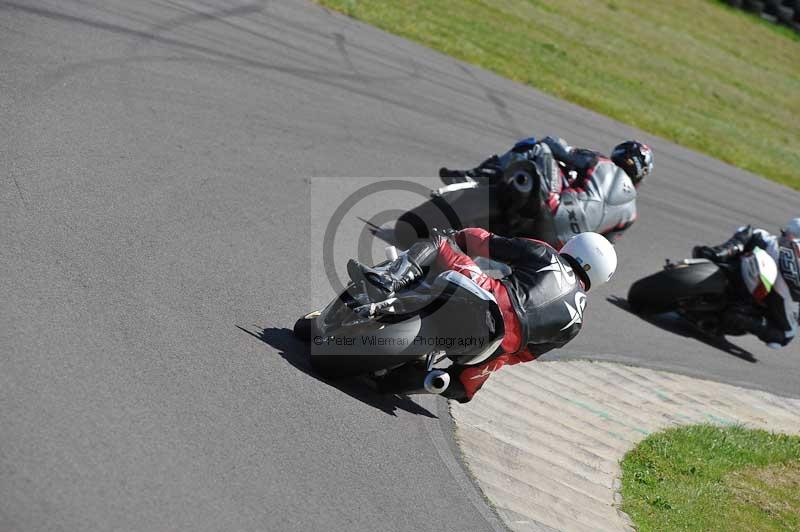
(788, 266)
(573, 222)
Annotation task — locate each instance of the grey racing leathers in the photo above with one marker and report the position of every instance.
(591, 193)
(581, 190)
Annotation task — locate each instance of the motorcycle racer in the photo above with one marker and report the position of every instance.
(582, 190)
(773, 297)
(542, 301)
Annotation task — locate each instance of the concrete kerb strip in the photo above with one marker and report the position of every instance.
(544, 440)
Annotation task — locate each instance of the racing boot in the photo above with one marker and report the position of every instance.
(450, 177)
(731, 249)
(485, 173)
(736, 322)
(381, 283)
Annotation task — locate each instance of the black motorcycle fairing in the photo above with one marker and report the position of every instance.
(510, 205)
(449, 315)
(459, 208)
(698, 280)
(704, 292)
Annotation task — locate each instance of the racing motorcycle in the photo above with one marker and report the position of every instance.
(427, 326)
(699, 290)
(508, 205)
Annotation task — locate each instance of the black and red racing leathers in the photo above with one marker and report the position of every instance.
(542, 300)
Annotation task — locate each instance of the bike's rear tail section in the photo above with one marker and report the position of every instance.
(453, 207)
(691, 281)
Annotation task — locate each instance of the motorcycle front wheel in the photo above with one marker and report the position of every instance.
(304, 327)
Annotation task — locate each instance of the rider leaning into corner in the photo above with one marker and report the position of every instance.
(542, 300)
(585, 192)
(770, 268)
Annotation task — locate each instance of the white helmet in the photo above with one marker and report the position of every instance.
(793, 229)
(594, 254)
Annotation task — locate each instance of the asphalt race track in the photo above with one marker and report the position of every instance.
(157, 193)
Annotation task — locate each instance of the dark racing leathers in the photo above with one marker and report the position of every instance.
(599, 198)
(541, 301)
(776, 318)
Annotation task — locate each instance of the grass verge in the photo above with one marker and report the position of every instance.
(711, 478)
(694, 71)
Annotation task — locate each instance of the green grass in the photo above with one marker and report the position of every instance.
(715, 479)
(694, 71)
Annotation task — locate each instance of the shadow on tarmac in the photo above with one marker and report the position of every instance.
(673, 323)
(295, 353)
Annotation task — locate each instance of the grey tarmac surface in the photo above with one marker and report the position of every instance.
(156, 194)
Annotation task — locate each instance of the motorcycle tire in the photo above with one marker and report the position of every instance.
(361, 350)
(304, 327)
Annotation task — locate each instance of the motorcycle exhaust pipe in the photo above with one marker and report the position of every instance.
(522, 183)
(521, 188)
(437, 381)
(520, 178)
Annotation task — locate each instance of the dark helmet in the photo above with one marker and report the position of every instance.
(635, 158)
(789, 264)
